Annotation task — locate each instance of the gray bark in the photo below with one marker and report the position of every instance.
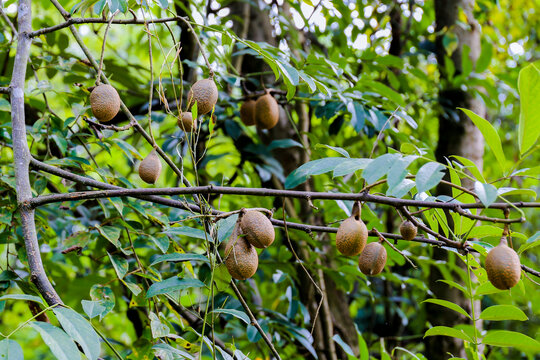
(21, 156)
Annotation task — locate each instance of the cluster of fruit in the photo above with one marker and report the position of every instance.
(252, 230)
(105, 103)
(263, 112)
(351, 240)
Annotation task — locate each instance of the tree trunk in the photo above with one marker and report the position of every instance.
(457, 136)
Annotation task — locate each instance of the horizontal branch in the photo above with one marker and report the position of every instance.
(78, 21)
(36, 164)
(312, 195)
(5, 90)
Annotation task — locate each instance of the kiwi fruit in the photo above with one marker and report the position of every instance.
(373, 259)
(105, 102)
(408, 230)
(205, 93)
(352, 234)
(247, 112)
(258, 229)
(503, 266)
(266, 112)
(241, 257)
(150, 168)
(186, 123)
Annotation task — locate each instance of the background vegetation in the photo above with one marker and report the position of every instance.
(368, 90)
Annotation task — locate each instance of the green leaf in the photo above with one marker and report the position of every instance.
(315, 167)
(111, 233)
(163, 4)
(349, 166)
(449, 305)
(448, 331)
(529, 117)
(456, 285)
(506, 338)
(358, 115)
(490, 136)
(236, 313)
(514, 191)
(487, 193)
(483, 231)
(172, 284)
(471, 166)
(80, 330)
(186, 231)
(379, 167)
(93, 308)
(120, 265)
(336, 149)
(57, 340)
(385, 91)
(401, 189)
(168, 349)
(429, 176)
(177, 257)
(533, 241)
(22, 297)
(10, 350)
(344, 345)
(503, 312)
(398, 171)
(105, 296)
(158, 328)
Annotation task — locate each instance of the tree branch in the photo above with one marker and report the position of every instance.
(313, 195)
(21, 156)
(78, 21)
(440, 240)
(5, 90)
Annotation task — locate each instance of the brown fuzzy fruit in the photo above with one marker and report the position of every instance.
(503, 266)
(247, 112)
(266, 112)
(241, 258)
(105, 102)
(372, 259)
(150, 168)
(351, 236)
(408, 230)
(258, 229)
(186, 122)
(205, 93)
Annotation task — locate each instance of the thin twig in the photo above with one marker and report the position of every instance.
(393, 247)
(305, 270)
(98, 81)
(188, 23)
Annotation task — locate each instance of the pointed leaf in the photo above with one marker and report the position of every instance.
(506, 338)
(349, 166)
(10, 350)
(178, 257)
(448, 331)
(315, 167)
(529, 117)
(490, 136)
(236, 313)
(172, 284)
(379, 167)
(429, 176)
(487, 193)
(120, 265)
(93, 308)
(57, 340)
(21, 297)
(449, 305)
(503, 312)
(80, 330)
